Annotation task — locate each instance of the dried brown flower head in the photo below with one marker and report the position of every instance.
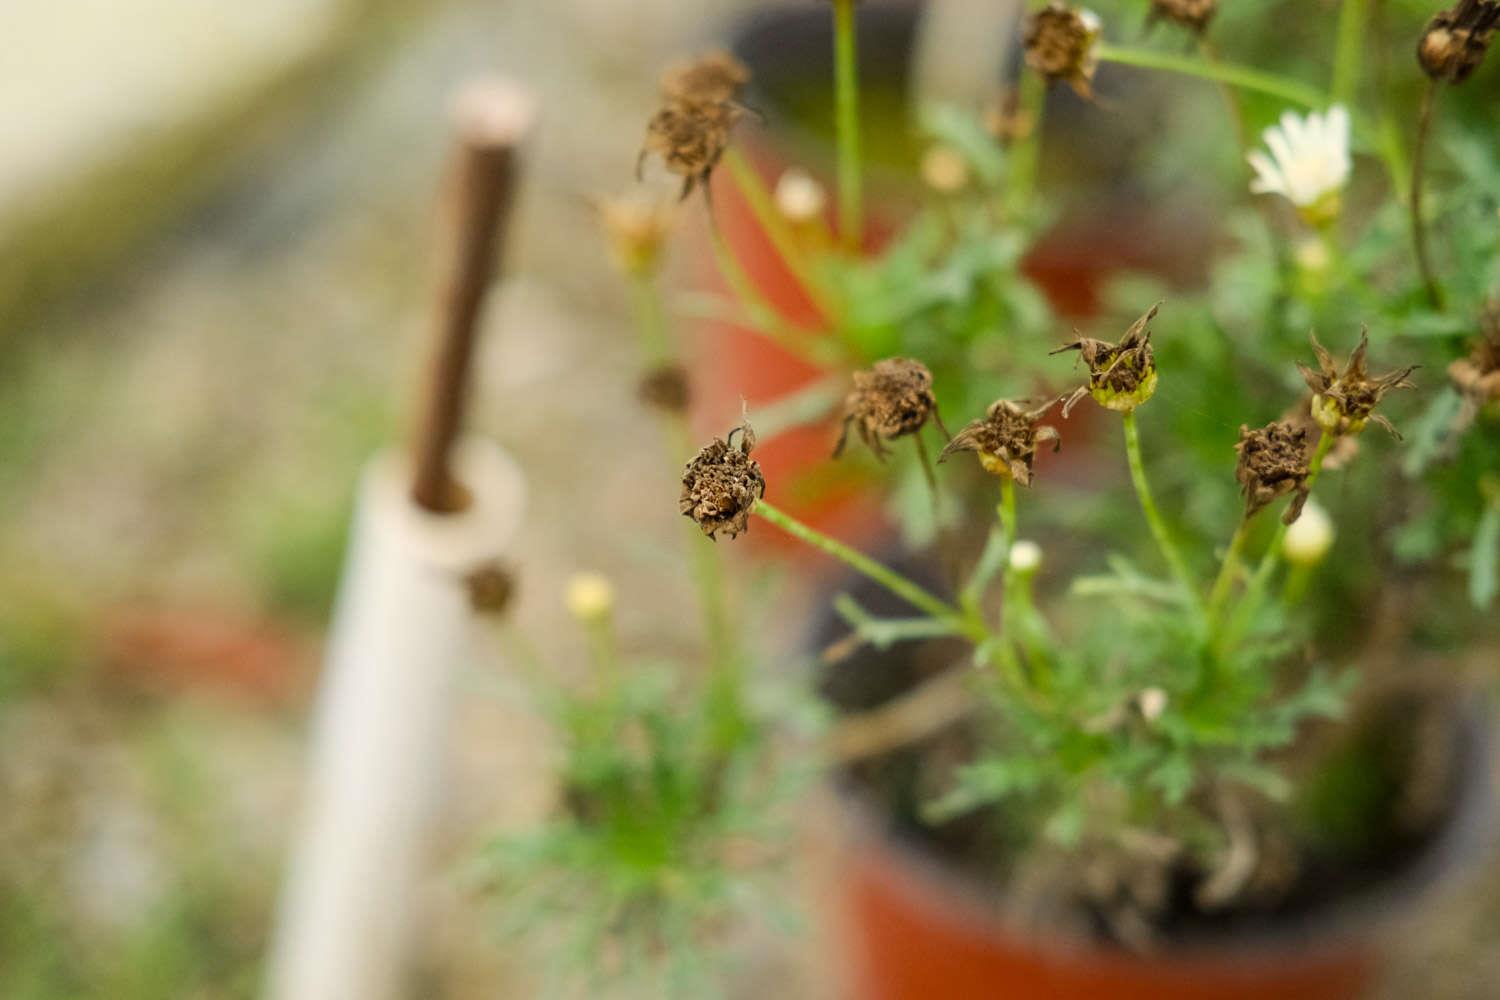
(1121, 376)
(1191, 14)
(1006, 120)
(1343, 403)
(722, 483)
(1273, 463)
(715, 77)
(690, 137)
(1006, 439)
(1300, 414)
(637, 230)
(1478, 375)
(1455, 40)
(491, 587)
(888, 401)
(1060, 45)
(665, 388)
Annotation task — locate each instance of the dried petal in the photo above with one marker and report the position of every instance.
(888, 401)
(722, 483)
(1344, 402)
(1121, 376)
(715, 77)
(1273, 463)
(690, 137)
(1006, 439)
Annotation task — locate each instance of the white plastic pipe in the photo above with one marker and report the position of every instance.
(401, 630)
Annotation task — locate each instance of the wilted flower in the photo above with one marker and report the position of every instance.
(1059, 44)
(1006, 120)
(491, 587)
(665, 388)
(799, 197)
(1478, 375)
(1309, 538)
(1121, 376)
(1193, 14)
(722, 483)
(1309, 162)
(590, 597)
(1455, 40)
(715, 77)
(1343, 403)
(637, 230)
(890, 400)
(1273, 463)
(690, 137)
(1006, 439)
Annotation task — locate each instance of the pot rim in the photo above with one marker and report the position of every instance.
(1335, 925)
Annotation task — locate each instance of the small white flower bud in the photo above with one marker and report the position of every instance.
(1152, 702)
(799, 197)
(1312, 255)
(590, 597)
(1025, 557)
(1309, 538)
(944, 170)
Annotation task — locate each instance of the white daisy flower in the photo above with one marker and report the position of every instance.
(1309, 162)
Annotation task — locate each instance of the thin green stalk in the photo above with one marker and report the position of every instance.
(1153, 515)
(1007, 512)
(846, 103)
(1353, 14)
(1229, 570)
(650, 319)
(1231, 96)
(1418, 226)
(1025, 154)
(1242, 77)
(821, 351)
(763, 317)
(775, 226)
(914, 594)
(925, 460)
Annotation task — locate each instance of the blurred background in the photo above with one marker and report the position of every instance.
(217, 229)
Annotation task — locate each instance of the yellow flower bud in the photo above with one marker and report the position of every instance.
(590, 597)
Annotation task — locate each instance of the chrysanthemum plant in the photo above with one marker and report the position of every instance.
(1139, 707)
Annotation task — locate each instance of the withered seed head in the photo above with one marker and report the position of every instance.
(1191, 14)
(888, 401)
(690, 137)
(1006, 439)
(1059, 44)
(1455, 40)
(491, 587)
(1478, 375)
(1121, 376)
(637, 230)
(714, 77)
(665, 388)
(1344, 403)
(1273, 463)
(722, 483)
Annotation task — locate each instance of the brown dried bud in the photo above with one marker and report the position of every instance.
(1478, 375)
(490, 588)
(1191, 14)
(690, 137)
(1060, 45)
(1455, 41)
(1006, 439)
(1006, 120)
(890, 400)
(1343, 403)
(665, 388)
(715, 77)
(1121, 376)
(722, 483)
(637, 230)
(1273, 463)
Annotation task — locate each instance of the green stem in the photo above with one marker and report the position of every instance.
(775, 226)
(1348, 49)
(762, 316)
(1153, 515)
(1025, 154)
(1242, 77)
(925, 460)
(1230, 569)
(915, 595)
(1418, 226)
(846, 100)
(650, 319)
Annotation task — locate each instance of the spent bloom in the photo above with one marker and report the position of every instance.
(1455, 40)
(1343, 402)
(890, 400)
(1309, 538)
(636, 229)
(722, 483)
(1121, 376)
(1272, 464)
(1059, 43)
(1006, 439)
(714, 78)
(1308, 163)
(1191, 14)
(590, 597)
(1478, 375)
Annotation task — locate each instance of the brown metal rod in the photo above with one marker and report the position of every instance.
(492, 118)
